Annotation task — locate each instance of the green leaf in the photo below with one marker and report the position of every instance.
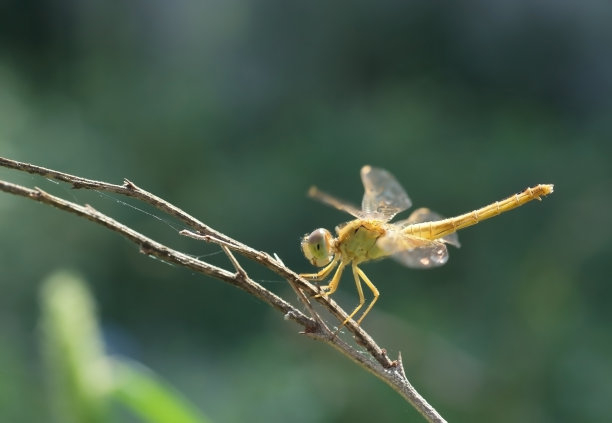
(147, 396)
(79, 373)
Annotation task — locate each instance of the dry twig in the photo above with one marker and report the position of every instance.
(378, 363)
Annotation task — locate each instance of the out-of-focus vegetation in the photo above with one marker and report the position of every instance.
(86, 385)
(232, 109)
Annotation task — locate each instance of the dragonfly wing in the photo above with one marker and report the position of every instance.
(414, 251)
(330, 200)
(384, 197)
(425, 215)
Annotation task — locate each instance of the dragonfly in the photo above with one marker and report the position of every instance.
(417, 242)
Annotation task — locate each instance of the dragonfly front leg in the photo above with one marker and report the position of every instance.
(321, 274)
(333, 284)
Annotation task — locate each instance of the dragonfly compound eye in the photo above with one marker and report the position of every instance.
(317, 247)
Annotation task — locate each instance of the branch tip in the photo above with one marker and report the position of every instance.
(399, 364)
(129, 184)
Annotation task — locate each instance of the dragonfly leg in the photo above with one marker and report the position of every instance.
(333, 284)
(372, 288)
(359, 291)
(323, 273)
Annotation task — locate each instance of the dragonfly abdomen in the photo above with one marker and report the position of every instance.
(440, 228)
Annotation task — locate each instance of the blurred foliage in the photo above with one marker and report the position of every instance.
(84, 383)
(79, 373)
(232, 109)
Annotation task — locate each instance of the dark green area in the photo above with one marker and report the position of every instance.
(232, 109)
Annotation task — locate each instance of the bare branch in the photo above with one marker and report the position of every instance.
(377, 362)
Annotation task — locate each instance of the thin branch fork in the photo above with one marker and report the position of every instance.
(389, 371)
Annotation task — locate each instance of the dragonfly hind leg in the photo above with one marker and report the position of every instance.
(359, 291)
(370, 285)
(359, 275)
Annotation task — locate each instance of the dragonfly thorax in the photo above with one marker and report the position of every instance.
(357, 240)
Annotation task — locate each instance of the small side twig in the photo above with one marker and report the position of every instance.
(240, 273)
(379, 364)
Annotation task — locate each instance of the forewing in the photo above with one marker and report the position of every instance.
(330, 200)
(384, 197)
(412, 251)
(425, 215)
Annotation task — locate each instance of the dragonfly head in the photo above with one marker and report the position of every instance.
(318, 247)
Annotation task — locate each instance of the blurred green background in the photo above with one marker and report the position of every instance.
(232, 109)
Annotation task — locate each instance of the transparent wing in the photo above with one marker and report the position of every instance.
(413, 251)
(384, 197)
(315, 193)
(425, 215)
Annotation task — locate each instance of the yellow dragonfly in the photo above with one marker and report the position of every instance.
(418, 242)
